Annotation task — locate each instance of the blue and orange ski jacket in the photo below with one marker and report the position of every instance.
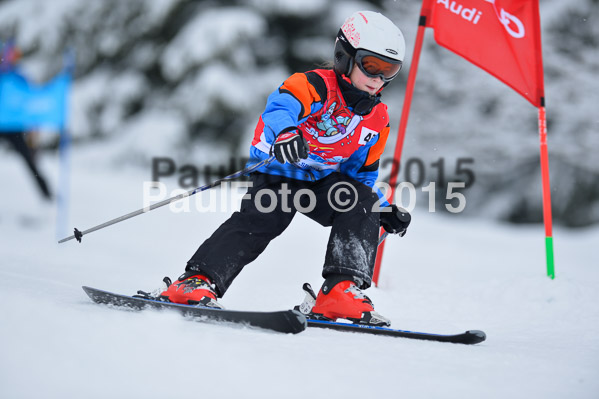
(340, 140)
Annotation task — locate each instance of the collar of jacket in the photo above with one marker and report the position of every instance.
(359, 101)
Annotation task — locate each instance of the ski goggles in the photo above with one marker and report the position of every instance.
(374, 65)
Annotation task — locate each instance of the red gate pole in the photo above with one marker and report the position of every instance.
(546, 191)
(405, 112)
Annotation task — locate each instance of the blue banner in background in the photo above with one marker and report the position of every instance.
(25, 106)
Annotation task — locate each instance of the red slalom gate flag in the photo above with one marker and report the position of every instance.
(503, 37)
(500, 36)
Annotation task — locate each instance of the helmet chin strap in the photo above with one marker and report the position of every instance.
(382, 87)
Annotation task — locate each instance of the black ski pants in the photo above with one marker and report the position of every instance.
(348, 206)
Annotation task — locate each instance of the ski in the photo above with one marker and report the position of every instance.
(318, 321)
(470, 337)
(286, 321)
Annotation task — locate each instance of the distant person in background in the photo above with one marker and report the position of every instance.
(18, 139)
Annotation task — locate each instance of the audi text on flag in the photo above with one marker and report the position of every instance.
(500, 36)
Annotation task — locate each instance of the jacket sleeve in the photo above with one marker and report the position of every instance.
(289, 105)
(363, 165)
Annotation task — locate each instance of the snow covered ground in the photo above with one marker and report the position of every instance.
(449, 274)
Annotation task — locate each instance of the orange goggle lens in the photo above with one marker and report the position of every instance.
(374, 66)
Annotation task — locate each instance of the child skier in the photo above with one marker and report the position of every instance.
(327, 130)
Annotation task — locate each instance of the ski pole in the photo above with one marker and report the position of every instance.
(382, 238)
(79, 234)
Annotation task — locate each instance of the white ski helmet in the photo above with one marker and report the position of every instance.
(371, 41)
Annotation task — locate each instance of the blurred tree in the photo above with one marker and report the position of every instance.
(203, 69)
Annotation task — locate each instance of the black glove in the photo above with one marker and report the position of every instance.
(290, 147)
(395, 220)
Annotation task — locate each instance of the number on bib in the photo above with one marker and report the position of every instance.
(366, 135)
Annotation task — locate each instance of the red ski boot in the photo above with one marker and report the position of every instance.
(191, 289)
(340, 298)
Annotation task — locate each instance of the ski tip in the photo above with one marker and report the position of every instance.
(89, 289)
(476, 336)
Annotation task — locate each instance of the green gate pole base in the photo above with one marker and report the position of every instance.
(549, 253)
